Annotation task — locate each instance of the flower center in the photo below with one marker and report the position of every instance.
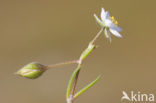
(114, 20)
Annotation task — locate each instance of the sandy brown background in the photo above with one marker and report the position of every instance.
(51, 31)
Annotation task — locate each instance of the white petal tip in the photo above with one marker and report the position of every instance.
(115, 33)
(120, 36)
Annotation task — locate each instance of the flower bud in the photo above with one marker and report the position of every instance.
(32, 70)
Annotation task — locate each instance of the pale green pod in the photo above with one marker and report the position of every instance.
(32, 70)
(87, 51)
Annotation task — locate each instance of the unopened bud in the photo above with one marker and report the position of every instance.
(32, 70)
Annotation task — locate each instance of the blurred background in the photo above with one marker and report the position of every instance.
(53, 31)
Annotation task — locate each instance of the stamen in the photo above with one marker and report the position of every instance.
(114, 20)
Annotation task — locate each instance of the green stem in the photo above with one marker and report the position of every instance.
(71, 81)
(75, 82)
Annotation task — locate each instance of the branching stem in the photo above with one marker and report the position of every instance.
(70, 99)
(60, 64)
(75, 83)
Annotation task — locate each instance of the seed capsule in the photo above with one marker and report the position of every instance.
(32, 70)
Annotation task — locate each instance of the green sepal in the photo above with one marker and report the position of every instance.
(87, 87)
(102, 24)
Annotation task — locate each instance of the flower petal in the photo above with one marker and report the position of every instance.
(107, 15)
(103, 14)
(115, 27)
(107, 34)
(108, 23)
(116, 33)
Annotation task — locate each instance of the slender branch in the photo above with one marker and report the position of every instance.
(71, 97)
(60, 64)
(75, 83)
(70, 83)
(97, 35)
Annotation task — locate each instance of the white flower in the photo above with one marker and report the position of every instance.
(109, 24)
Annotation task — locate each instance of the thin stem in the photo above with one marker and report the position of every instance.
(70, 83)
(70, 99)
(72, 93)
(77, 75)
(60, 64)
(75, 83)
(97, 35)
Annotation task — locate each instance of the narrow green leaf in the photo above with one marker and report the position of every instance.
(87, 87)
(71, 80)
